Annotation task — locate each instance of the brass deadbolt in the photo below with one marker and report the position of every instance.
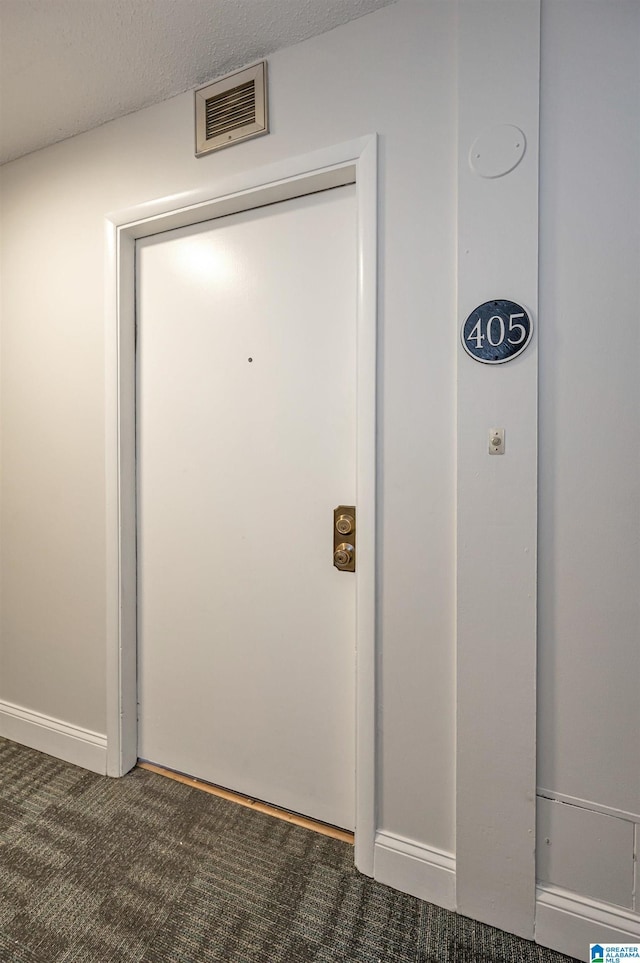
(345, 524)
(343, 555)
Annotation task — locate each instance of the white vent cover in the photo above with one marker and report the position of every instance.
(232, 109)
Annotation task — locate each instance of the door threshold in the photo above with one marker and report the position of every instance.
(316, 827)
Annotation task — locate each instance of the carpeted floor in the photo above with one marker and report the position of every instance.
(145, 870)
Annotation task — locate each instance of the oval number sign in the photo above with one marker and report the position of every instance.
(496, 331)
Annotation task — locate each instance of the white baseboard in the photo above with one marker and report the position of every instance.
(60, 739)
(567, 922)
(413, 868)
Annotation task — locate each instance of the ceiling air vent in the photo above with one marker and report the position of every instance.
(232, 109)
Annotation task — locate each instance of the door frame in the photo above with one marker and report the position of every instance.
(347, 163)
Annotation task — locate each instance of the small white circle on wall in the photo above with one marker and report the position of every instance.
(497, 151)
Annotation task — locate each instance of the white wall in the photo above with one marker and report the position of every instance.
(589, 513)
(497, 496)
(393, 72)
(327, 90)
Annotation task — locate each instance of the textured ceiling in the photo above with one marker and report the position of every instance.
(69, 65)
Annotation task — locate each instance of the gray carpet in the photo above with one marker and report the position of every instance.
(145, 870)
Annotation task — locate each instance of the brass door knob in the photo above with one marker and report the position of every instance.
(344, 524)
(343, 554)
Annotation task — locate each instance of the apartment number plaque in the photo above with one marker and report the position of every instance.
(496, 331)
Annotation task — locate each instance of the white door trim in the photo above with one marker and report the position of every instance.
(355, 161)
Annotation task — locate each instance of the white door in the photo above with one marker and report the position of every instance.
(246, 443)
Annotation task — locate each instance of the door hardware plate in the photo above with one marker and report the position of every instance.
(344, 538)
